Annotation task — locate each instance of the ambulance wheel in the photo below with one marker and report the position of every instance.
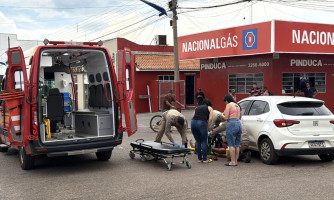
(3, 148)
(188, 165)
(26, 161)
(132, 155)
(103, 155)
(326, 157)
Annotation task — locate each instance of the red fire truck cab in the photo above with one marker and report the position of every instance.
(60, 111)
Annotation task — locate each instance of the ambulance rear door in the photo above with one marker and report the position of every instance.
(17, 79)
(128, 91)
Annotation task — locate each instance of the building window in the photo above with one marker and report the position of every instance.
(291, 82)
(166, 77)
(242, 83)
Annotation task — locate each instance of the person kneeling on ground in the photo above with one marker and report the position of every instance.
(221, 147)
(173, 118)
(217, 126)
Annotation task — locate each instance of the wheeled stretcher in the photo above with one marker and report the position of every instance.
(149, 150)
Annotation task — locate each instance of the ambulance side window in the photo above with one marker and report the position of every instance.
(127, 79)
(18, 80)
(3, 83)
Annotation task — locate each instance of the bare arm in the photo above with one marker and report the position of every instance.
(169, 104)
(179, 103)
(315, 92)
(210, 116)
(227, 112)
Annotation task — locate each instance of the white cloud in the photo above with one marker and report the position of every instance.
(7, 25)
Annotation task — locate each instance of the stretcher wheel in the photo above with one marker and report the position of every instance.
(132, 155)
(169, 166)
(188, 165)
(143, 158)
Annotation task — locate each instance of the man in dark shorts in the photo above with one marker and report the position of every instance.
(255, 91)
(168, 102)
(200, 97)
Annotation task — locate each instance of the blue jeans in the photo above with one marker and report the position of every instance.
(233, 132)
(199, 129)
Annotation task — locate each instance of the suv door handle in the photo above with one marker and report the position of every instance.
(259, 120)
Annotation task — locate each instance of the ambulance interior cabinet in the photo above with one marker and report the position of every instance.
(93, 123)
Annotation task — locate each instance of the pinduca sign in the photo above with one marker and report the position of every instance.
(305, 63)
(210, 66)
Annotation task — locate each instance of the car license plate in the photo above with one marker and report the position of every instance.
(316, 144)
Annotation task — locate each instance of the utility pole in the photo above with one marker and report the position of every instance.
(173, 6)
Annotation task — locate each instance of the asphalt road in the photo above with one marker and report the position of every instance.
(83, 177)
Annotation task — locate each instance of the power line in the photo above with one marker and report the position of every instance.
(59, 8)
(123, 27)
(215, 6)
(92, 22)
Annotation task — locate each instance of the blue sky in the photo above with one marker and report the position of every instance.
(86, 20)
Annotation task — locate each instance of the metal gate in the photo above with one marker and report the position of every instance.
(165, 86)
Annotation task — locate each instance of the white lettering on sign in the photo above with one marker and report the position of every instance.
(213, 66)
(305, 63)
(209, 44)
(312, 37)
(260, 64)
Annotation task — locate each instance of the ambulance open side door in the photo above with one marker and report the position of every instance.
(17, 79)
(128, 90)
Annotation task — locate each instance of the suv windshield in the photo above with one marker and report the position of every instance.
(303, 108)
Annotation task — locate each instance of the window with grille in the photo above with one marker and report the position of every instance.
(166, 77)
(242, 83)
(291, 82)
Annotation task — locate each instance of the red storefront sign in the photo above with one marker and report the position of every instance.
(304, 37)
(293, 37)
(244, 40)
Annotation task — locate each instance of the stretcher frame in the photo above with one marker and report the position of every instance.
(148, 153)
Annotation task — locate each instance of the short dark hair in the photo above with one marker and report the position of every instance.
(265, 87)
(228, 98)
(180, 120)
(207, 102)
(254, 83)
(170, 91)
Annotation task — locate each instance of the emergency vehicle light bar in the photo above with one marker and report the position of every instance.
(46, 42)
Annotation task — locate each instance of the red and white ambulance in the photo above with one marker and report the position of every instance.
(47, 108)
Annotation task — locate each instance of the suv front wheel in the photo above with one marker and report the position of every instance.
(267, 152)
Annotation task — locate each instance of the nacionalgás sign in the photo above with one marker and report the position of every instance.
(303, 37)
(250, 39)
(312, 37)
(210, 44)
(258, 38)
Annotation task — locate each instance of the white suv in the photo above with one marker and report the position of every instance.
(287, 125)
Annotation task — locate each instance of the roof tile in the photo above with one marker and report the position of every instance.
(163, 62)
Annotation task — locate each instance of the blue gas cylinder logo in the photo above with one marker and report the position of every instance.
(249, 39)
